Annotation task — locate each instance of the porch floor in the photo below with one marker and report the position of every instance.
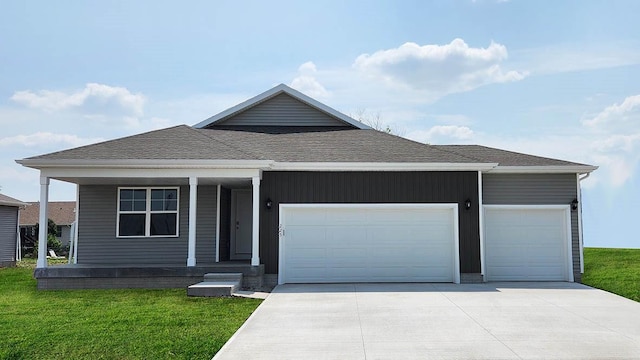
(87, 276)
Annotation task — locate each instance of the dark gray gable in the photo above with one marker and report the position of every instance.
(281, 110)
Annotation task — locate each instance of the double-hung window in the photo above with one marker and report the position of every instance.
(147, 212)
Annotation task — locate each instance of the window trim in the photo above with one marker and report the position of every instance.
(148, 212)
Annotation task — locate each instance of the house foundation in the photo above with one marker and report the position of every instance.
(147, 277)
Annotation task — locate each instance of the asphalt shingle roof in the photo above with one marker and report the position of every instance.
(175, 143)
(61, 212)
(503, 157)
(354, 145)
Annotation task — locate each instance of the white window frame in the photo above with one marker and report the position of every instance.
(148, 212)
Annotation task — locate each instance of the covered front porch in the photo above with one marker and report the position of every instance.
(157, 228)
(86, 276)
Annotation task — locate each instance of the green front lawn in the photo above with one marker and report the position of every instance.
(613, 270)
(112, 324)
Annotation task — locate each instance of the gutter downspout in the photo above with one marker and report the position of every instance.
(579, 190)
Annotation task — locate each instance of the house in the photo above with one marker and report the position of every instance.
(9, 233)
(285, 189)
(62, 213)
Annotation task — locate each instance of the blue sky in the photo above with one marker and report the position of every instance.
(551, 78)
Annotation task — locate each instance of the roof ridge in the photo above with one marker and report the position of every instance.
(201, 133)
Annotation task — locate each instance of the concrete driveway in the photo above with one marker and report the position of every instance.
(439, 321)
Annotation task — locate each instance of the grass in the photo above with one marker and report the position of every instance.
(111, 324)
(613, 270)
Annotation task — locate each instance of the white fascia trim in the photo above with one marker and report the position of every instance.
(13, 203)
(149, 173)
(147, 164)
(377, 166)
(282, 88)
(579, 169)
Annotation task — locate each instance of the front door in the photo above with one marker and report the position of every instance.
(241, 224)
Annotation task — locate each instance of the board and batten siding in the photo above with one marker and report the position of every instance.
(98, 244)
(536, 189)
(370, 187)
(282, 110)
(8, 234)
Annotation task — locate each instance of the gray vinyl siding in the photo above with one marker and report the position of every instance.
(206, 225)
(282, 110)
(97, 241)
(8, 233)
(370, 187)
(535, 189)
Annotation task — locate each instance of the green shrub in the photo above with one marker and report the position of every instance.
(53, 243)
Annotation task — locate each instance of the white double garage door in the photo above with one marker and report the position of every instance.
(326, 243)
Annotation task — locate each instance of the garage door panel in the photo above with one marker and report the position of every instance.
(368, 244)
(524, 244)
(303, 235)
(336, 235)
(345, 217)
(312, 217)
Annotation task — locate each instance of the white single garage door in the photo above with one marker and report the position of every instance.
(527, 243)
(322, 243)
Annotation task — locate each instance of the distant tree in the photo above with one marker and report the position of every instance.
(375, 122)
(52, 240)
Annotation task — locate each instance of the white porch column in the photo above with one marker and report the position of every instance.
(219, 190)
(43, 222)
(193, 206)
(255, 228)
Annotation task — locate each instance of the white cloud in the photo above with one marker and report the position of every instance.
(47, 139)
(442, 134)
(306, 82)
(610, 140)
(626, 112)
(93, 99)
(616, 143)
(441, 69)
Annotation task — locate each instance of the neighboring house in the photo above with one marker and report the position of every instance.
(288, 190)
(62, 213)
(9, 235)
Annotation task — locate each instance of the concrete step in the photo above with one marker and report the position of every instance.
(213, 288)
(216, 284)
